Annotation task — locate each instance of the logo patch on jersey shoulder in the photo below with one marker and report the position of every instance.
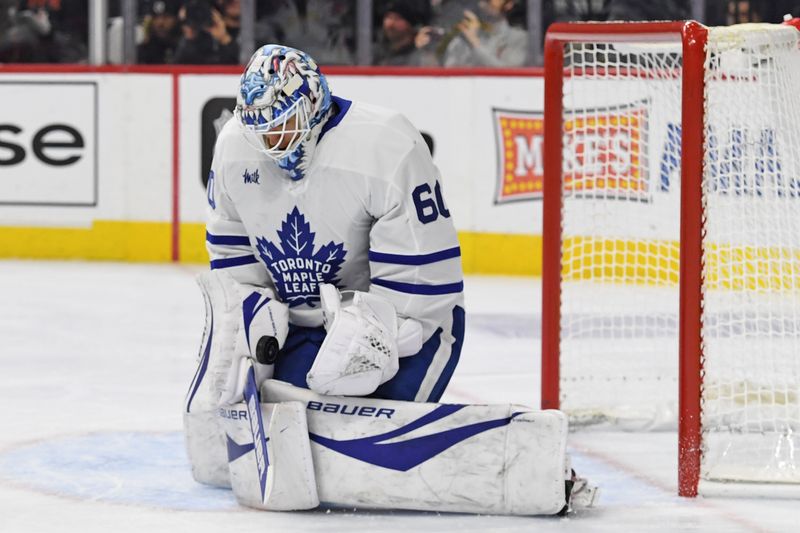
(251, 177)
(296, 268)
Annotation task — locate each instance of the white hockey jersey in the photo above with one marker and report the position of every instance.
(369, 215)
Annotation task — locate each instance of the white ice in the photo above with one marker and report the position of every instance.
(95, 359)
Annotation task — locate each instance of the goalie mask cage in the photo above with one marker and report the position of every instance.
(671, 275)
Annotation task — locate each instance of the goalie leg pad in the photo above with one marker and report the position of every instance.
(277, 473)
(205, 442)
(205, 446)
(371, 453)
(235, 314)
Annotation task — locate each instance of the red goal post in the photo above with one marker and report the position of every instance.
(690, 70)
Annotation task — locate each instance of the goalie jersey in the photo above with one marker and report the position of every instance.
(369, 215)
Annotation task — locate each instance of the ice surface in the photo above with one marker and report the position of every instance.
(95, 359)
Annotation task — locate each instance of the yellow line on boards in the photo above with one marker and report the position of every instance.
(104, 240)
(599, 260)
(482, 253)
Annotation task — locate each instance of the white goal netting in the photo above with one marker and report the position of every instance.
(621, 243)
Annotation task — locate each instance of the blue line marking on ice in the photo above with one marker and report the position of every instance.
(149, 469)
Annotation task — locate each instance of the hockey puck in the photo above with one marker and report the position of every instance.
(267, 350)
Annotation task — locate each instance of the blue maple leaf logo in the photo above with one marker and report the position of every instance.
(296, 269)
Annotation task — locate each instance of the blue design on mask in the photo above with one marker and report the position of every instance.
(291, 163)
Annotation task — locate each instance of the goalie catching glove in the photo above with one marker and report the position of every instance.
(360, 350)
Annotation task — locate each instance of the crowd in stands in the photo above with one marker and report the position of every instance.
(450, 33)
(446, 33)
(43, 31)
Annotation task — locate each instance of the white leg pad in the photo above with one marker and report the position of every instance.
(205, 440)
(205, 445)
(220, 373)
(289, 483)
(367, 453)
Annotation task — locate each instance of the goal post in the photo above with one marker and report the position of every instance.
(671, 239)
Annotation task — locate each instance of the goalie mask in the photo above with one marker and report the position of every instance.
(282, 104)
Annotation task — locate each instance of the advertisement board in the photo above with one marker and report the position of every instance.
(49, 143)
(113, 164)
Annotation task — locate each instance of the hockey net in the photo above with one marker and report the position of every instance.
(674, 152)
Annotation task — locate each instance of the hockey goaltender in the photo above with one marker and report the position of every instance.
(335, 319)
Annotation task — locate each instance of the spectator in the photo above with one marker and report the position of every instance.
(231, 11)
(742, 11)
(650, 10)
(397, 43)
(67, 38)
(206, 40)
(161, 33)
(432, 41)
(323, 28)
(21, 35)
(447, 13)
(486, 39)
(49, 31)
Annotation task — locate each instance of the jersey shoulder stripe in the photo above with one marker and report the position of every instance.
(233, 261)
(229, 240)
(423, 259)
(417, 288)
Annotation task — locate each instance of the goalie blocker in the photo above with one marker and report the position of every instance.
(370, 453)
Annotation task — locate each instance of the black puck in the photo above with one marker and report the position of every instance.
(267, 350)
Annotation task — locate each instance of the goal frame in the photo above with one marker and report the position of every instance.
(693, 37)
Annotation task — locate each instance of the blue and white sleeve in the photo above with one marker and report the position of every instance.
(414, 255)
(227, 241)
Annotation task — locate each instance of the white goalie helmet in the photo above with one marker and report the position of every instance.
(282, 104)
